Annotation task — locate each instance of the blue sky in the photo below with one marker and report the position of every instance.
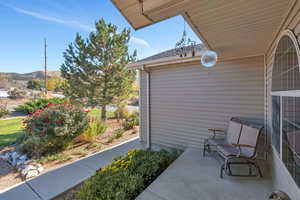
(24, 25)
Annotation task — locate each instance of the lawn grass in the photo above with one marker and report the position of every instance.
(10, 130)
(96, 113)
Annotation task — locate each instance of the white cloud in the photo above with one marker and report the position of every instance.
(139, 41)
(72, 23)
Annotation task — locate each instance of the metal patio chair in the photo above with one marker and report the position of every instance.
(243, 152)
(222, 137)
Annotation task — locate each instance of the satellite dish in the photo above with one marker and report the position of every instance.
(209, 59)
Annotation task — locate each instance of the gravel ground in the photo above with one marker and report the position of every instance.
(8, 176)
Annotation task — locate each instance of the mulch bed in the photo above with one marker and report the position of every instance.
(9, 177)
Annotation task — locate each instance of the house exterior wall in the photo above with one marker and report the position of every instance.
(187, 99)
(282, 179)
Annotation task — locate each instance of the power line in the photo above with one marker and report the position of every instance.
(45, 66)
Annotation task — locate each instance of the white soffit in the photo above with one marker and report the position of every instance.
(235, 29)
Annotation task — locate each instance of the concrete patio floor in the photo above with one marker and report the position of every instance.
(194, 177)
(53, 183)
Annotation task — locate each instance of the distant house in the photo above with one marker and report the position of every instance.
(257, 75)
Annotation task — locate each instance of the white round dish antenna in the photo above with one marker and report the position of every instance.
(209, 59)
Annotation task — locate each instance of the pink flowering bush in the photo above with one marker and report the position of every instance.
(52, 129)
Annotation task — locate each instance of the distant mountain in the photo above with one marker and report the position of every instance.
(9, 80)
(29, 76)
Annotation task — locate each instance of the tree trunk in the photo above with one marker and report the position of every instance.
(103, 113)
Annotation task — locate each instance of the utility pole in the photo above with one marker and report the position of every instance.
(45, 77)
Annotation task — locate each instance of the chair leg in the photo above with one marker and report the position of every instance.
(229, 169)
(250, 170)
(259, 170)
(205, 147)
(222, 170)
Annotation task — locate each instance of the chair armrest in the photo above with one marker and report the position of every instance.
(243, 145)
(216, 130)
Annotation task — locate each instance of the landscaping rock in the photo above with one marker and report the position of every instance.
(23, 158)
(32, 173)
(27, 162)
(25, 171)
(40, 169)
(14, 158)
(27, 168)
(5, 156)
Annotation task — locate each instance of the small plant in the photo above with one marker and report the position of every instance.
(79, 153)
(127, 176)
(110, 140)
(95, 129)
(128, 124)
(38, 104)
(119, 133)
(60, 158)
(131, 121)
(64, 159)
(3, 110)
(93, 146)
(52, 129)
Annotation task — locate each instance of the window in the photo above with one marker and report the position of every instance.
(286, 104)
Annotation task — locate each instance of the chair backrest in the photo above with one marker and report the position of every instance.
(233, 132)
(249, 136)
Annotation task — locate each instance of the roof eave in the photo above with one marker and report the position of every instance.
(162, 62)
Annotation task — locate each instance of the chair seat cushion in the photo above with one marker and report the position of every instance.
(227, 150)
(216, 142)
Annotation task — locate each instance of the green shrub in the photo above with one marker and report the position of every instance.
(95, 129)
(34, 84)
(127, 176)
(34, 105)
(52, 129)
(119, 133)
(59, 158)
(127, 125)
(131, 121)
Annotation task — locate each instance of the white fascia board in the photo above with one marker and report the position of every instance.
(163, 61)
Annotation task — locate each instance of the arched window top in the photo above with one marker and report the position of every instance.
(286, 74)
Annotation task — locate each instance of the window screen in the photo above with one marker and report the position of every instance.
(286, 67)
(286, 108)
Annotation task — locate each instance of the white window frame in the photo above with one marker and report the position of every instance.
(289, 93)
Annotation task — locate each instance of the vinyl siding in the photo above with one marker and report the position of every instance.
(282, 179)
(187, 99)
